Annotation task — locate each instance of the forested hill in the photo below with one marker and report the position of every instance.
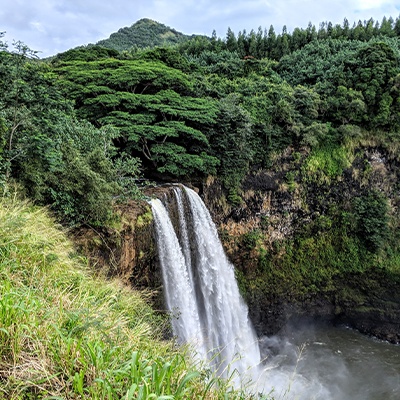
(76, 130)
(143, 33)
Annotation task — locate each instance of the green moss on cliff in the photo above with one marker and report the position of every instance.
(327, 232)
(327, 163)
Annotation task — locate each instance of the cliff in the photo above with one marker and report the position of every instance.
(315, 237)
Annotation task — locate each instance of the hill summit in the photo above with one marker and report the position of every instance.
(143, 33)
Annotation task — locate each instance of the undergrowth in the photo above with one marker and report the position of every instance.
(66, 334)
(327, 163)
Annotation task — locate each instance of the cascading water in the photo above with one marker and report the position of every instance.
(178, 291)
(200, 288)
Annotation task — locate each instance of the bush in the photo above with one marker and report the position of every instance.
(371, 212)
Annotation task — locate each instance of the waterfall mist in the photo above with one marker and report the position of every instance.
(322, 362)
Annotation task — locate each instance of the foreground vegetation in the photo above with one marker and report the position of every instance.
(66, 334)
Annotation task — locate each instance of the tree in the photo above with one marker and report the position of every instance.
(271, 41)
(231, 42)
(375, 69)
(371, 212)
(152, 106)
(319, 62)
(311, 32)
(15, 115)
(58, 160)
(86, 53)
(347, 106)
(358, 32)
(346, 28)
(397, 27)
(386, 28)
(242, 44)
(224, 63)
(231, 143)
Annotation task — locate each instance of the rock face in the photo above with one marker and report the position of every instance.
(371, 304)
(294, 240)
(285, 240)
(126, 250)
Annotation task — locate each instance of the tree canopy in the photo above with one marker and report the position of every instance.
(200, 106)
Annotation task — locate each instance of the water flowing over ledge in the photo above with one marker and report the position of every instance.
(200, 288)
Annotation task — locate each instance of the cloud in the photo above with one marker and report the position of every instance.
(53, 26)
(38, 26)
(372, 4)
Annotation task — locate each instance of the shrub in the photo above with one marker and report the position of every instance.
(371, 212)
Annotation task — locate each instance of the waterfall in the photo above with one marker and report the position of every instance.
(200, 288)
(178, 291)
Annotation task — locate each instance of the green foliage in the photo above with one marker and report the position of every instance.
(290, 180)
(231, 143)
(322, 257)
(371, 213)
(206, 106)
(251, 240)
(87, 53)
(267, 43)
(348, 106)
(143, 33)
(16, 101)
(65, 333)
(355, 78)
(224, 63)
(323, 253)
(170, 56)
(174, 107)
(72, 171)
(59, 160)
(319, 63)
(377, 65)
(326, 163)
(150, 104)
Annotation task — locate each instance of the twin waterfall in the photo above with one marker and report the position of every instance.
(200, 289)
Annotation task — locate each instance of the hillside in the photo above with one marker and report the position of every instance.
(65, 333)
(143, 33)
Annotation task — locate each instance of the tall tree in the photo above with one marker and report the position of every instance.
(152, 106)
(231, 41)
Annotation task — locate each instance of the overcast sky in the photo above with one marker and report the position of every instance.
(53, 26)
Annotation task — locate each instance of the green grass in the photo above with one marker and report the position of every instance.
(327, 163)
(66, 334)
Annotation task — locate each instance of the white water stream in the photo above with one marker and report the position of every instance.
(201, 290)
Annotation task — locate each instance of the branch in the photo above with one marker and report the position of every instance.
(146, 151)
(13, 129)
(145, 88)
(16, 156)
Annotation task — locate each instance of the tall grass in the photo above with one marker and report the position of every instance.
(327, 163)
(66, 334)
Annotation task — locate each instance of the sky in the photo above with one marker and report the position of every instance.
(53, 26)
